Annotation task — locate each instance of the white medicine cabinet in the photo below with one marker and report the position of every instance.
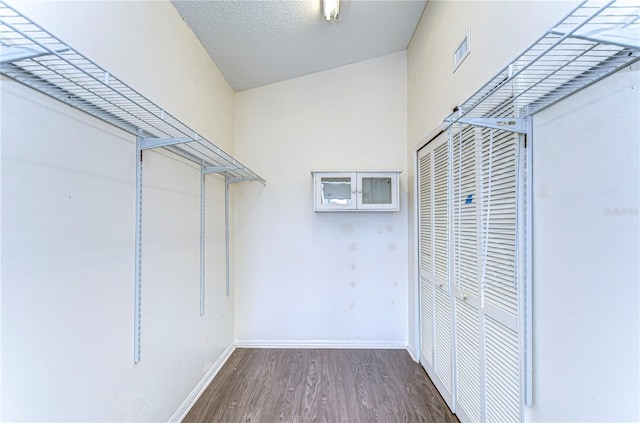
(356, 191)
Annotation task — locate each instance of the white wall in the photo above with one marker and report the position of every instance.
(586, 248)
(68, 193)
(321, 278)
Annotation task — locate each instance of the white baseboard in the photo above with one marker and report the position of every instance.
(413, 353)
(321, 344)
(186, 405)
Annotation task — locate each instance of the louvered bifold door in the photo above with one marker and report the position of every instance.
(465, 257)
(425, 217)
(435, 291)
(468, 245)
(498, 278)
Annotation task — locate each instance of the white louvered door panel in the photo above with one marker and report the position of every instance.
(502, 365)
(425, 175)
(499, 205)
(443, 344)
(425, 224)
(426, 322)
(465, 212)
(499, 169)
(435, 298)
(443, 337)
(468, 359)
(465, 257)
(441, 213)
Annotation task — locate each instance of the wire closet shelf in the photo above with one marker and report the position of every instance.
(595, 40)
(36, 58)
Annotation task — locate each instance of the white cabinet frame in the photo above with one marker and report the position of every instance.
(356, 200)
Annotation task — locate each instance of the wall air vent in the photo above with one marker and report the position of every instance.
(463, 50)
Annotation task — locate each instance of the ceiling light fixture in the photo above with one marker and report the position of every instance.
(330, 9)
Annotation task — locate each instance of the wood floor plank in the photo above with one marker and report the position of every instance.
(320, 385)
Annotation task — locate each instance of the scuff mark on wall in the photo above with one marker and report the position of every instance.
(347, 228)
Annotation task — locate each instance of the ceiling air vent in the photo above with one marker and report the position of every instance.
(463, 50)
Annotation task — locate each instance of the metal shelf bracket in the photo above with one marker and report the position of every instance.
(15, 54)
(150, 143)
(518, 125)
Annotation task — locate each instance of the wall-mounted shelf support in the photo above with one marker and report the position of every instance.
(228, 181)
(137, 289)
(203, 174)
(518, 125)
(621, 37)
(208, 170)
(211, 170)
(36, 58)
(227, 238)
(150, 143)
(15, 54)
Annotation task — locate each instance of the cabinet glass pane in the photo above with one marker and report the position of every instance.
(376, 190)
(336, 190)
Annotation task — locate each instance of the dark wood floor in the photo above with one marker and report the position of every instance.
(320, 385)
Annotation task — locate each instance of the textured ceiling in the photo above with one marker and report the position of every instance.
(255, 43)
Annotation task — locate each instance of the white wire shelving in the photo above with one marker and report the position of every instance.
(593, 41)
(34, 57)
